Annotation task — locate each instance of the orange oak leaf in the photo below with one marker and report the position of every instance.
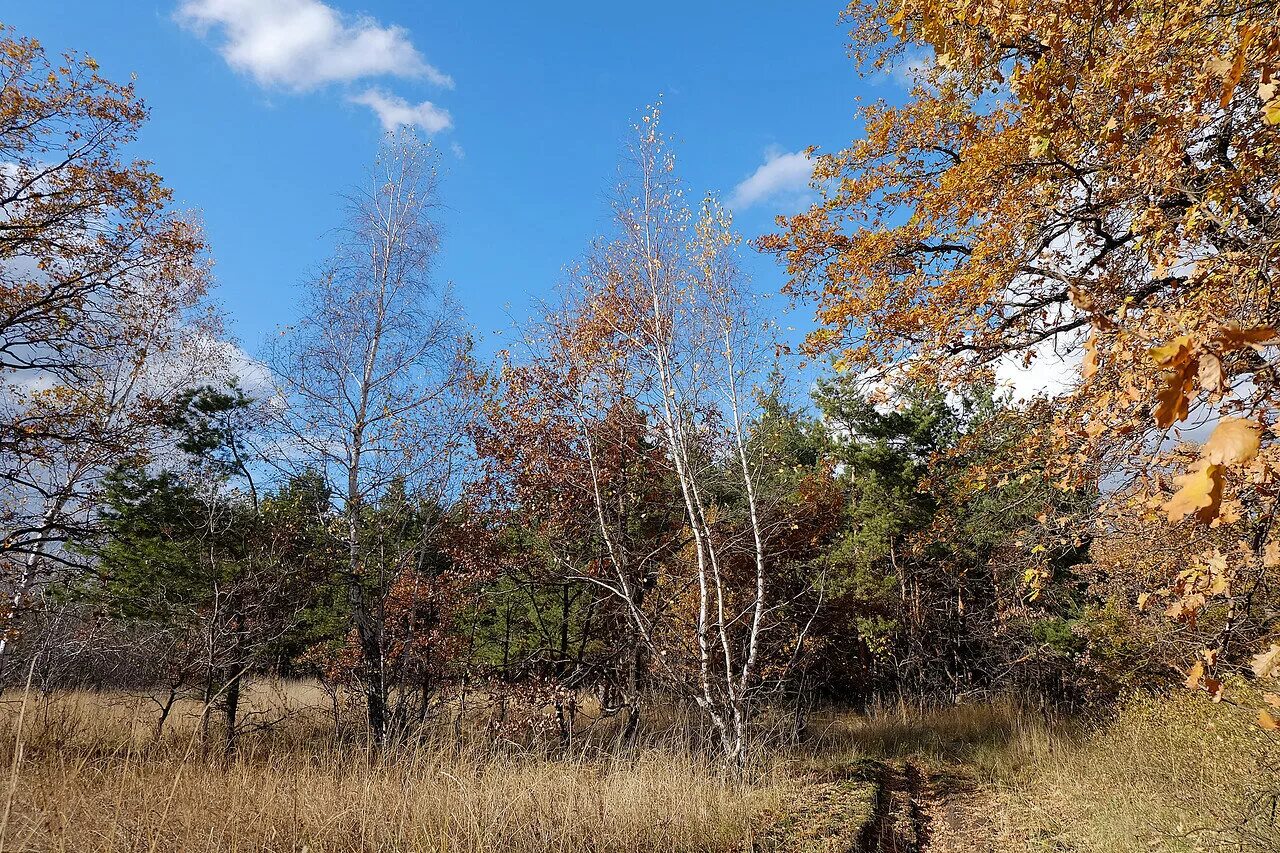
(1090, 367)
(1194, 675)
(1199, 492)
(1236, 68)
(1235, 337)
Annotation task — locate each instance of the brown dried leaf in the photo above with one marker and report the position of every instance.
(1234, 441)
(1173, 399)
(1212, 376)
(1266, 664)
(1234, 337)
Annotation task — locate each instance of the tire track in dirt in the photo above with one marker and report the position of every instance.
(899, 823)
(904, 806)
(923, 811)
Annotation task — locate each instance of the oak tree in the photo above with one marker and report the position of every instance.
(97, 277)
(1091, 179)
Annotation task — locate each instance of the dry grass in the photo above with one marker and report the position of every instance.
(1163, 774)
(1172, 773)
(92, 777)
(977, 735)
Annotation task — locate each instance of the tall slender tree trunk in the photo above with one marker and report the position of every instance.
(25, 582)
(368, 634)
(231, 701)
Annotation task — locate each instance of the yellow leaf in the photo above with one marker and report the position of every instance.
(1267, 721)
(896, 19)
(1172, 353)
(1234, 440)
(1271, 111)
(1200, 491)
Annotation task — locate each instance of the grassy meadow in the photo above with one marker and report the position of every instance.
(87, 772)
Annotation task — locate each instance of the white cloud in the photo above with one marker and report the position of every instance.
(458, 151)
(304, 44)
(1054, 370)
(911, 68)
(782, 174)
(394, 111)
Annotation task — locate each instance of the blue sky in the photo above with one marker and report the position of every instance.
(263, 111)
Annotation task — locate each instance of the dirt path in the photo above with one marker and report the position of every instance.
(903, 806)
(922, 811)
(900, 823)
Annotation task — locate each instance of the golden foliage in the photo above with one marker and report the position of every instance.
(1099, 177)
(96, 277)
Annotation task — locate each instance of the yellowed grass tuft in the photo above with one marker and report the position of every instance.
(94, 778)
(1164, 774)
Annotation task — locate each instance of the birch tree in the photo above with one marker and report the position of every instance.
(659, 315)
(375, 376)
(684, 318)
